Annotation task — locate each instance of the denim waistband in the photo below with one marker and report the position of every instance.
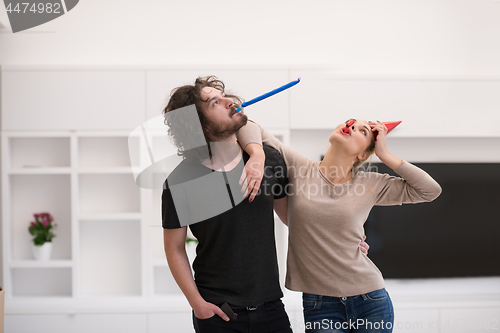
(323, 298)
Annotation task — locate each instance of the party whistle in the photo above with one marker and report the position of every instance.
(269, 94)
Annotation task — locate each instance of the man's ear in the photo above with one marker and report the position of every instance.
(207, 130)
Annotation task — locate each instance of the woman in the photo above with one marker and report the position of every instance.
(328, 203)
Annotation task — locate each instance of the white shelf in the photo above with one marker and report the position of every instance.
(30, 194)
(40, 264)
(39, 171)
(108, 193)
(107, 170)
(105, 151)
(109, 216)
(39, 152)
(41, 281)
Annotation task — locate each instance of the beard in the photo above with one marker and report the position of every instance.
(220, 132)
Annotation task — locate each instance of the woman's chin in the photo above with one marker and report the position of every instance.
(337, 136)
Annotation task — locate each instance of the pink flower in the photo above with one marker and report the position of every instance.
(44, 218)
(41, 228)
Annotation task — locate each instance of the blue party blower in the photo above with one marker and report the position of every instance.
(269, 94)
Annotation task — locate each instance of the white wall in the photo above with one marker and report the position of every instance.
(388, 37)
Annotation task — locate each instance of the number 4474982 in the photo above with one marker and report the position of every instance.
(34, 8)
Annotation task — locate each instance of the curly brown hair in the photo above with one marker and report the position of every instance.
(180, 129)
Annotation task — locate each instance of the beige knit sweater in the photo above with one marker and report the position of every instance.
(326, 220)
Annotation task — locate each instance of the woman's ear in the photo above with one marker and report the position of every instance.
(363, 156)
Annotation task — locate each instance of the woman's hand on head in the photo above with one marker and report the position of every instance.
(381, 146)
(379, 129)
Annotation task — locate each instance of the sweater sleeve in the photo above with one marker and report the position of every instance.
(415, 186)
(254, 133)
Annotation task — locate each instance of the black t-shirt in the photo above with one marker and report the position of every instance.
(236, 258)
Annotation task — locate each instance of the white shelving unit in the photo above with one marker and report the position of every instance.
(108, 240)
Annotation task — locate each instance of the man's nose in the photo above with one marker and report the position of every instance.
(228, 102)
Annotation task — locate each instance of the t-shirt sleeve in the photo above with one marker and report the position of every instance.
(414, 186)
(280, 171)
(254, 133)
(170, 220)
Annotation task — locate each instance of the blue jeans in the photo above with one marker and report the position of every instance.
(371, 312)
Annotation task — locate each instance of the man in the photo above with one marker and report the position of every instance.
(236, 259)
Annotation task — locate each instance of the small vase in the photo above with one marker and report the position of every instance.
(42, 252)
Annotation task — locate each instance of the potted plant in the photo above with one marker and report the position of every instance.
(41, 230)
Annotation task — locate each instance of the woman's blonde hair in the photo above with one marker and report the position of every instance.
(370, 150)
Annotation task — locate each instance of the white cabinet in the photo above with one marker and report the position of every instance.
(72, 99)
(170, 322)
(81, 323)
(428, 107)
(101, 323)
(40, 280)
(246, 83)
